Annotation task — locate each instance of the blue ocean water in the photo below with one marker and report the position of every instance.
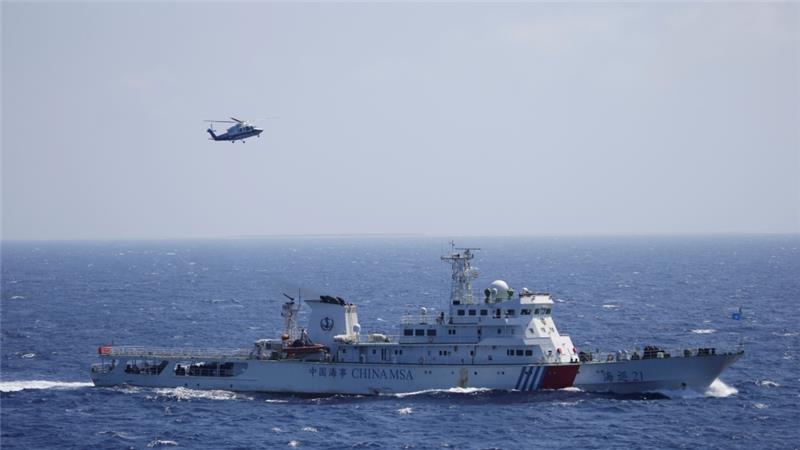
(60, 300)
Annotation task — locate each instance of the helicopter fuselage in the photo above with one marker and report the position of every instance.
(236, 133)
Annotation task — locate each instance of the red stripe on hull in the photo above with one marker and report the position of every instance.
(558, 377)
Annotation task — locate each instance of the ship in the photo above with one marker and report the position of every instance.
(501, 340)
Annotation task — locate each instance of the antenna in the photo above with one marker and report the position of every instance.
(462, 275)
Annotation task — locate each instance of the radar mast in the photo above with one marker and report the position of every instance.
(463, 274)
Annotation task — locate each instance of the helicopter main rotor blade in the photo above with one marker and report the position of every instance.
(220, 121)
(237, 120)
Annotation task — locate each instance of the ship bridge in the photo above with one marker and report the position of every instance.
(501, 328)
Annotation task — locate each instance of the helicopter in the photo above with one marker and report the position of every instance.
(238, 132)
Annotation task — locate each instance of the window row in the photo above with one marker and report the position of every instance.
(498, 312)
(419, 332)
(519, 352)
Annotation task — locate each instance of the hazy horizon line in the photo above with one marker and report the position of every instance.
(403, 235)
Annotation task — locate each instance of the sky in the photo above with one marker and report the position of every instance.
(400, 118)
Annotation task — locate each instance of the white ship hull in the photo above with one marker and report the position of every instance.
(306, 377)
(302, 377)
(650, 375)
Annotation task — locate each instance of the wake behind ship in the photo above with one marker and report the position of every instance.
(503, 340)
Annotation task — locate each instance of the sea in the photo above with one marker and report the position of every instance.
(61, 300)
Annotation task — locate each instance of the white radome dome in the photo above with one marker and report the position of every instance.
(501, 287)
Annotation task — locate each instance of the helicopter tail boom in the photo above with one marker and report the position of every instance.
(213, 135)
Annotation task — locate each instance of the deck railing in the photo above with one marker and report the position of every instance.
(654, 353)
(184, 353)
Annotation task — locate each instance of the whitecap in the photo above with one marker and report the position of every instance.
(609, 306)
(760, 405)
(161, 443)
(571, 389)
(277, 430)
(273, 400)
(575, 403)
(294, 444)
(19, 385)
(310, 429)
(182, 393)
(767, 383)
(455, 390)
(29, 355)
(719, 389)
(704, 331)
(117, 434)
(17, 297)
(405, 411)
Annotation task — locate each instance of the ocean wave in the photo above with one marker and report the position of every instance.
(767, 383)
(20, 385)
(717, 389)
(720, 390)
(680, 393)
(182, 394)
(405, 411)
(455, 390)
(17, 297)
(573, 403)
(704, 331)
(161, 443)
(571, 389)
(310, 429)
(610, 306)
(293, 443)
(783, 334)
(117, 434)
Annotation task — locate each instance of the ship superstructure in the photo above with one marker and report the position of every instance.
(499, 340)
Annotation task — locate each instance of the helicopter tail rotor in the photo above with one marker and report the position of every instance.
(211, 132)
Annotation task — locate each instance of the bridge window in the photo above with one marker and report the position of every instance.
(484, 312)
(419, 332)
(536, 312)
(525, 312)
(408, 332)
(451, 331)
(471, 312)
(528, 352)
(510, 312)
(519, 352)
(210, 369)
(145, 367)
(460, 312)
(431, 332)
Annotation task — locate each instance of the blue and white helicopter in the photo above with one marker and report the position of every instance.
(238, 132)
